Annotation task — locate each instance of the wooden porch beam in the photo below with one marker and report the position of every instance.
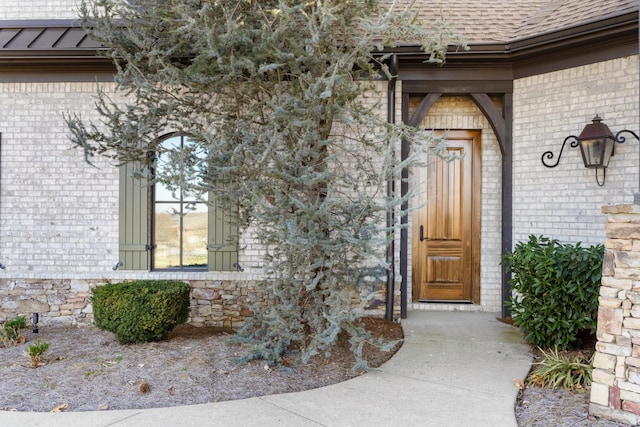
(491, 112)
(424, 107)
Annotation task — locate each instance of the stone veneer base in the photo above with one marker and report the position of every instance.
(213, 302)
(615, 391)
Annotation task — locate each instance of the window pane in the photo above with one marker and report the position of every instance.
(193, 196)
(168, 170)
(167, 235)
(181, 231)
(193, 160)
(195, 235)
(170, 154)
(164, 194)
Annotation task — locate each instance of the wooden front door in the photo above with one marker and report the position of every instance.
(446, 225)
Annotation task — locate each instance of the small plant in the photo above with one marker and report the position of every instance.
(35, 352)
(556, 370)
(10, 332)
(112, 362)
(19, 322)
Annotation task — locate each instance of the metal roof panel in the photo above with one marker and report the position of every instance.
(23, 38)
(47, 38)
(6, 35)
(70, 39)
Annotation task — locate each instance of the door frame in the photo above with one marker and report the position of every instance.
(501, 121)
(476, 213)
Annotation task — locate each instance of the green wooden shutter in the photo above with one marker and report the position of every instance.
(134, 211)
(223, 237)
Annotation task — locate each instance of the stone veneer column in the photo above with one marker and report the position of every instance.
(615, 391)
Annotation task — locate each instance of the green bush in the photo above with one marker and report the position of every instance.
(10, 332)
(555, 290)
(142, 310)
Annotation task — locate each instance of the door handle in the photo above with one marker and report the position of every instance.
(422, 233)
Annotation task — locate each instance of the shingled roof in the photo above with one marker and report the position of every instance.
(481, 21)
(561, 14)
(505, 21)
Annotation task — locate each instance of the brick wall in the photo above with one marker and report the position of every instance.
(615, 391)
(564, 202)
(38, 9)
(59, 217)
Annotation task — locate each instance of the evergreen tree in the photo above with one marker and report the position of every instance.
(279, 98)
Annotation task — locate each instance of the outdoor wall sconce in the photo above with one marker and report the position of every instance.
(596, 145)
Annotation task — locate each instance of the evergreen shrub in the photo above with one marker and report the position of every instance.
(555, 289)
(10, 332)
(36, 352)
(141, 310)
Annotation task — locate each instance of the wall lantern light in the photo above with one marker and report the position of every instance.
(596, 145)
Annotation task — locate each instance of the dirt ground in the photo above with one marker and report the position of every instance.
(86, 369)
(556, 408)
(537, 407)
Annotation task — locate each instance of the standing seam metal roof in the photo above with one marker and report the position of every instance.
(49, 35)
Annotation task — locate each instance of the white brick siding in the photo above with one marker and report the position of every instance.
(59, 215)
(565, 202)
(38, 9)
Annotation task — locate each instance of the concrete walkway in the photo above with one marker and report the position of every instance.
(454, 369)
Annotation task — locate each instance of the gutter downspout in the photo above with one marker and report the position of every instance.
(391, 118)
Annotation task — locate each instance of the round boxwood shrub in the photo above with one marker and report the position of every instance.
(141, 310)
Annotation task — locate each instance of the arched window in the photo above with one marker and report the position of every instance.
(180, 214)
(170, 225)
